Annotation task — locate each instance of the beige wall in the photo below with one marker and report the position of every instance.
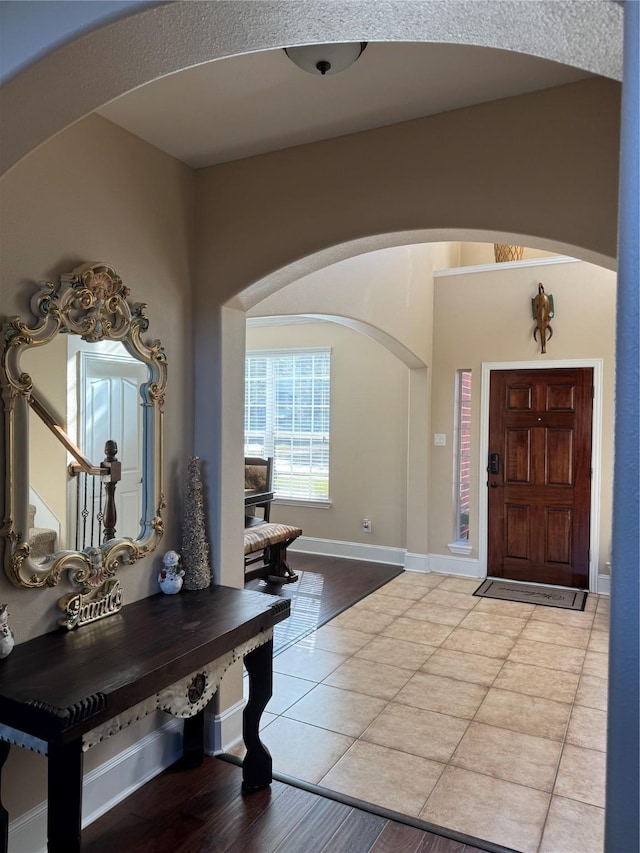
(390, 291)
(486, 317)
(93, 193)
(98, 193)
(536, 165)
(368, 443)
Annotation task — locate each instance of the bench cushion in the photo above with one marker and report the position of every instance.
(265, 535)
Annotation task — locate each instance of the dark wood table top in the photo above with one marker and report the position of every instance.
(60, 685)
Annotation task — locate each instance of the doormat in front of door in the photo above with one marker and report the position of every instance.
(531, 593)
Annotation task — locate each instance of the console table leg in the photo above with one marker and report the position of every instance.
(256, 768)
(64, 816)
(193, 741)
(4, 814)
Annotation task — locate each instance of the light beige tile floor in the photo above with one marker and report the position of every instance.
(487, 717)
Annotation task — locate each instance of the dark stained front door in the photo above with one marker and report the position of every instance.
(539, 475)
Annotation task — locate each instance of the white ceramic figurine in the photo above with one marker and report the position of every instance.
(171, 574)
(6, 634)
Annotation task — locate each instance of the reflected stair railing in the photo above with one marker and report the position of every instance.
(92, 527)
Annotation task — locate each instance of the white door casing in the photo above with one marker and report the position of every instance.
(596, 454)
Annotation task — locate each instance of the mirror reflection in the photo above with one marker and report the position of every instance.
(94, 392)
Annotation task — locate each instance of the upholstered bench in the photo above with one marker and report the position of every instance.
(272, 540)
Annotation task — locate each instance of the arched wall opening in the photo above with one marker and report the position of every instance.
(437, 326)
(205, 32)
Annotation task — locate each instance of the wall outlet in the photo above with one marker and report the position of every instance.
(366, 525)
(440, 439)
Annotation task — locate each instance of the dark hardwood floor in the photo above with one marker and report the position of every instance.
(325, 587)
(203, 811)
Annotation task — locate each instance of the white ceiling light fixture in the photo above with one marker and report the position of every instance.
(325, 59)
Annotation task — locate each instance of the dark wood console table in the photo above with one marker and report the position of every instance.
(63, 692)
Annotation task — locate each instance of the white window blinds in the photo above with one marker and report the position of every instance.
(287, 417)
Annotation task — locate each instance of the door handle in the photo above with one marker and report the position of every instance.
(493, 484)
(494, 463)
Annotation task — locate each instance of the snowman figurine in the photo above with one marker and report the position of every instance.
(6, 634)
(171, 573)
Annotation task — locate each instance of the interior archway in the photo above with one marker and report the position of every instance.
(363, 293)
(205, 32)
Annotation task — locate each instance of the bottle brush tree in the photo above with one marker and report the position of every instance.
(195, 549)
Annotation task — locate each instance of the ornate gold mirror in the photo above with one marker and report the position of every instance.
(83, 399)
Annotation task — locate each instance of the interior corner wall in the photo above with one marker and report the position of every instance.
(97, 193)
(418, 466)
(486, 317)
(219, 440)
(368, 435)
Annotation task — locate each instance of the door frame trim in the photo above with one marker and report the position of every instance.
(596, 453)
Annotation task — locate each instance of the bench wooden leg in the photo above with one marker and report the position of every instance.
(276, 556)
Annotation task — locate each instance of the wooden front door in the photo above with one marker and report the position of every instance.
(539, 475)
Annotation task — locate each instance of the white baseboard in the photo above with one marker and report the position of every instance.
(349, 550)
(604, 584)
(106, 786)
(225, 729)
(416, 562)
(442, 563)
(446, 564)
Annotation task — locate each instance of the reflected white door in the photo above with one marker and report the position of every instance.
(111, 408)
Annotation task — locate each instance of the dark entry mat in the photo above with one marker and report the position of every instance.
(531, 593)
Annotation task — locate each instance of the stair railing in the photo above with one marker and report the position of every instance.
(107, 473)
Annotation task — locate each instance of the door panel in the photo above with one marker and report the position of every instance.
(558, 524)
(517, 525)
(518, 397)
(559, 457)
(517, 455)
(560, 398)
(539, 501)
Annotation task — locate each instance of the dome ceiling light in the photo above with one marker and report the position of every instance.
(325, 59)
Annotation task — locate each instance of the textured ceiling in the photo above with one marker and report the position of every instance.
(261, 102)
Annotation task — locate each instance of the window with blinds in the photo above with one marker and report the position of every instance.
(287, 417)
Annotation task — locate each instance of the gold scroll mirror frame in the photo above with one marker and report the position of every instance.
(91, 302)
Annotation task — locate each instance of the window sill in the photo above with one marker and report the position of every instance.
(320, 504)
(462, 548)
